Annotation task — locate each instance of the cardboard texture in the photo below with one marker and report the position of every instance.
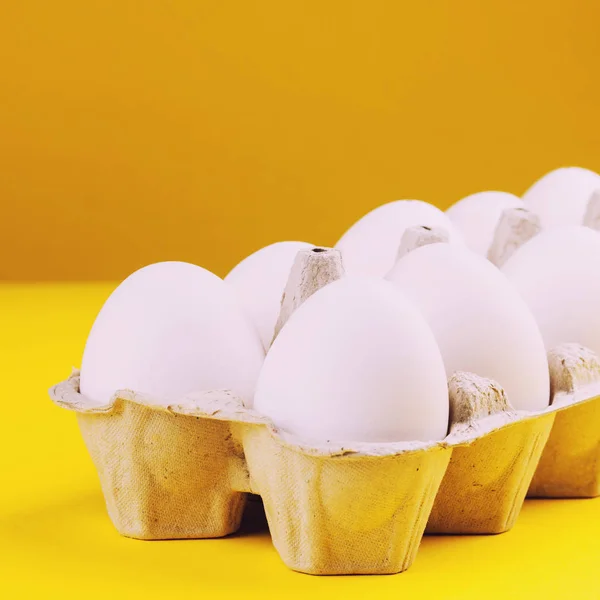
(163, 475)
(487, 479)
(353, 513)
(184, 471)
(570, 464)
(486, 482)
(312, 269)
(515, 227)
(555, 453)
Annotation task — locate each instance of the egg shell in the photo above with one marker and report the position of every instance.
(355, 363)
(259, 281)
(371, 245)
(169, 329)
(561, 196)
(557, 274)
(480, 323)
(476, 217)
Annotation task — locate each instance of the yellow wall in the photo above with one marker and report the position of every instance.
(132, 132)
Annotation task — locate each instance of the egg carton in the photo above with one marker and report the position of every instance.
(185, 470)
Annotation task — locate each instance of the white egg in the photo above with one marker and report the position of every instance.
(356, 363)
(476, 217)
(558, 275)
(561, 197)
(371, 245)
(480, 322)
(169, 329)
(259, 281)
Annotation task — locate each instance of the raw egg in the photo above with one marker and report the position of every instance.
(561, 197)
(259, 281)
(558, 275)
(356, 363)
(169, 329)
(371, 245)
(476, 217)
(480, 322)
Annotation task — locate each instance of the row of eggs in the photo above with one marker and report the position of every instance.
(365, 358)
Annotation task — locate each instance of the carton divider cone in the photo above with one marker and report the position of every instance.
(515, 227)
(591, 218)
(421, 235)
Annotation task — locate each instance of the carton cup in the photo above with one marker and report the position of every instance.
(487, 480)
(495, 453)
(570, 463)
(164, 475)
(514, 454)
(344, 510)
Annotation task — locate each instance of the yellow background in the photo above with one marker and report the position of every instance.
(132, 132)
(56, 540)
(138, 131)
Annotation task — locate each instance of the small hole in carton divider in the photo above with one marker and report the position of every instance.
(425, 227)
(319, 249)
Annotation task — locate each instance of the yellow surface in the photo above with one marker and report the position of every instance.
(56, 540)
(134, 131)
